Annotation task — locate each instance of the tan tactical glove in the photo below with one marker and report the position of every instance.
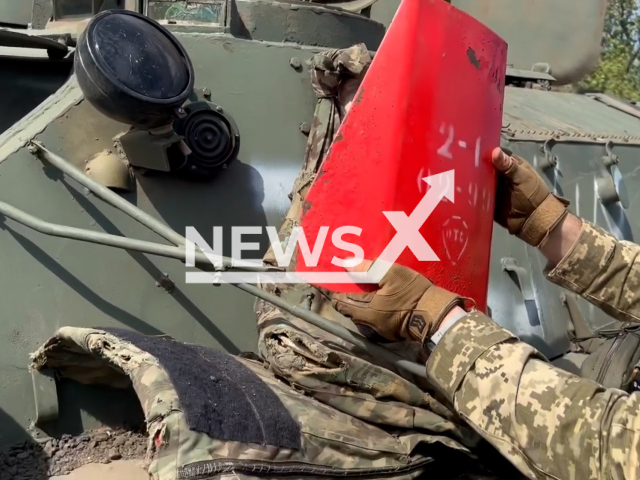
(524, 204)
(407, 306)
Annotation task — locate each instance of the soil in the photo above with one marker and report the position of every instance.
(118, 470)
(100, 452)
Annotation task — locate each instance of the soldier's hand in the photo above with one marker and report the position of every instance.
(407, 306)
(524, 204)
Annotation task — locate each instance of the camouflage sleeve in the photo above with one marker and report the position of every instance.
(603, 270)
(547, 422)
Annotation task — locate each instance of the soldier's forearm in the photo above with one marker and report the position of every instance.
(603, 270)
(561, 239)
(547, 422)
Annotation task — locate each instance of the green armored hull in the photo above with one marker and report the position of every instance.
(247, 117)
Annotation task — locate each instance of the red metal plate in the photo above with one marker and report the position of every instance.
(430, 103)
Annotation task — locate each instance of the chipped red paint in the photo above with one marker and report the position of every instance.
(157, 439)
(420, 111)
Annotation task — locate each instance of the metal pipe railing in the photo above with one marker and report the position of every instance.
(108, 195)
(63, 231)
(178, 252)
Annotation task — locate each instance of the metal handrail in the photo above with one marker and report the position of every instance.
(178, 251)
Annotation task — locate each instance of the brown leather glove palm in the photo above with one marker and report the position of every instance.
(407, 306)
(524, 204)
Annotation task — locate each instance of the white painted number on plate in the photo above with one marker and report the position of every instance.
(445, 149)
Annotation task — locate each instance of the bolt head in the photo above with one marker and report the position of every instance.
(305, 128)
(295, 63)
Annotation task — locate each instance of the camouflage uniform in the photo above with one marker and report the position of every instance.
(549, 423)
(331, 444)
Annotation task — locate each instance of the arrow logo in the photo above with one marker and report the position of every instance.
(407, 234)
(408, 228)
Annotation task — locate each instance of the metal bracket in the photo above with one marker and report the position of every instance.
(550, 160)
(146, 150)
(610, 187)
(581, 327)
(41, 12)
(525, 282)
(45, 394)
(610, 158)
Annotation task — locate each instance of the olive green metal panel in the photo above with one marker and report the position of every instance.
(528, 110)
(16, 12)
(564, 34)
(579, 165)
(582, 135)
(56, 282)
(383, 11)
(305, 23)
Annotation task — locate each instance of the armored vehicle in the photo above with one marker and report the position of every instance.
(88, 163)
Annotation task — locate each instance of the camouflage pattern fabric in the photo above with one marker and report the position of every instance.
(335, 76)
(328, 369)
(337, 374)
(547, 422)
(333, 444)
(614, 362)
(603, 270)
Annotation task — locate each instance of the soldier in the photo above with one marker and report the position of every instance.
(549, 423)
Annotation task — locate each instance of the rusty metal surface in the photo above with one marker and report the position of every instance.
(537, 115)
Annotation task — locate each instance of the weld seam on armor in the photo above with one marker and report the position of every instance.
(459, 349)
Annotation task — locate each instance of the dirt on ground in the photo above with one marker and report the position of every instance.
(118, 470)
(105, 454)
